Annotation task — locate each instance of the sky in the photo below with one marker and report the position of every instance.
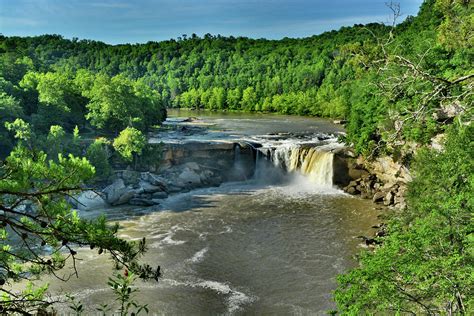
(140, 21)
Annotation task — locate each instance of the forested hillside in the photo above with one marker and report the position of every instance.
(367, 74)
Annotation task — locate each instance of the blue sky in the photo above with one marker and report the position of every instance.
(120, 21)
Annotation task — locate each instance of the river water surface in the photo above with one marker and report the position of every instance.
(253, 247)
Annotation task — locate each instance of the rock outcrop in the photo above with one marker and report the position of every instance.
(383, 180)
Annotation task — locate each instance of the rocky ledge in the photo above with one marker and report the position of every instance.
(146, 188)
(382, 180)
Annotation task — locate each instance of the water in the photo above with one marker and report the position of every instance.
(230, 126)
(270, 245)
(241, 248)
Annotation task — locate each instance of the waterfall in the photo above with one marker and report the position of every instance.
(315, 164)
(239, 168)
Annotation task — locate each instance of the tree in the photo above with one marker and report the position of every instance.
(112, 105)
(39, 231)
(249, 99)
(129, 143)
(20, 128)
(55, 141)
(98, 155)
(10, 109)
(118, 102)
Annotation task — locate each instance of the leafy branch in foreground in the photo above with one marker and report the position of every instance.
(39, 231)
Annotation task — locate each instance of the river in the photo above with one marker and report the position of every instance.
(262, 246)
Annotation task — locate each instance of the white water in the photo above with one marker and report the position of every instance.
(311, 161)
(271, 245)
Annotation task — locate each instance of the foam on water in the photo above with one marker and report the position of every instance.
(235, 300)
(199, 256)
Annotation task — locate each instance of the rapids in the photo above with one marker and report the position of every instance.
(272, 244)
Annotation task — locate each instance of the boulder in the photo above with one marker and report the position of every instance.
(148, 187)
(175, 188)
(155, 180)
(352, 190)
(448, 111)
(400, 202)
(192, 165)
(189, 177)
(89, 200)
(127, 194)
(130, 177)
(388, 199)
(206, 175)
(379, 196)
(437, 142)
(117, 193)
(113, 191)
(389, 171)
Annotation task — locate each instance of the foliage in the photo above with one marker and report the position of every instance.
(118, 102)
(98, 154)
(130, 142)
(426, 263)
(39, 231)
(20, 128)
(121, 285)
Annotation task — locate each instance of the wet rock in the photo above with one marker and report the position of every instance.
(175, 188)
(366, 195)
(369, 241)
(351, 190)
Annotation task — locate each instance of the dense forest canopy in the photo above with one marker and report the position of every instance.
(327, 75)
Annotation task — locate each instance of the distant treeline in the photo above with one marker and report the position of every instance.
(328, 75)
